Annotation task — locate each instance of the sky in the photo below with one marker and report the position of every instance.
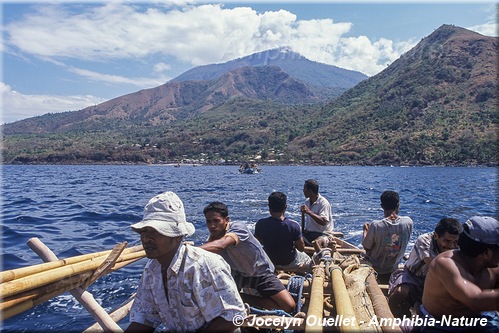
(67, 55)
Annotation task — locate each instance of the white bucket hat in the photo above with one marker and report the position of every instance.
(165, 213)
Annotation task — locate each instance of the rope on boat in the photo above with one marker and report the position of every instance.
(295, 288)
(276, 312)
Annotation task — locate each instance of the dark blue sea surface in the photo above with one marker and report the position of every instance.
(82, 209)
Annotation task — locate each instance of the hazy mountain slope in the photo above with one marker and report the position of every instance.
(314, 73)
(174, 101)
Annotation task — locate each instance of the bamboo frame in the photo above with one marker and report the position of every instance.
(46, 277)
(316, 305)
(380, 304)
(342, 302)
(18, 273)
(24, 300)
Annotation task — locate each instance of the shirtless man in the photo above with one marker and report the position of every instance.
(406, 284)
(465, 282)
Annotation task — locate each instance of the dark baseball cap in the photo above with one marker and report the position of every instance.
(483, 229)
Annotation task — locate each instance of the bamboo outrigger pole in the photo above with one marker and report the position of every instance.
(26, 300)
(316, 305)
(342, 301)
(17, 273)
(380, 305)
(121, 312)
(84, 297)
(43, 278)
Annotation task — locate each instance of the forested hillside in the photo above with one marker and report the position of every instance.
(435, 105)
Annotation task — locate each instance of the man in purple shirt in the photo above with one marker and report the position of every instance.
(281, 237)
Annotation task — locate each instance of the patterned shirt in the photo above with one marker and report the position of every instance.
(386, 241)
(424, 247)
(200, 288)
(321, 207)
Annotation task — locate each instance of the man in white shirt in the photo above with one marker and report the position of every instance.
(185, 288)
(317, 212)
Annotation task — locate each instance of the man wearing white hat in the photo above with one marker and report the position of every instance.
(183, 287)
(461, 291)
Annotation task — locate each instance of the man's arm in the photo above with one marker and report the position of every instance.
(368, 236)
(300, 244)
(462, 289)
(220, 244)
(322, 220)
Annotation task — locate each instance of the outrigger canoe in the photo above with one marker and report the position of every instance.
(339, 294)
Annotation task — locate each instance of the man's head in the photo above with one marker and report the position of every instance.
(217, 218)
(163, 224)
(481, 236)
(390, 200)
(447, 233)
(310, 188)
(277, 202)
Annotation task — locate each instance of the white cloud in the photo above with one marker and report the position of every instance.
(487, 29)
(180, 32)
(26, 106)
(108, 78)
(161, 67)
(197, 35)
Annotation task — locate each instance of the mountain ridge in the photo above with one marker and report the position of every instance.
(435, 105)
(293, 63)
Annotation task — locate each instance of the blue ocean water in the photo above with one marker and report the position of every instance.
(82, 209)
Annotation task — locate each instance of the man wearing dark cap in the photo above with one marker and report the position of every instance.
(463, 283)
(185, 288)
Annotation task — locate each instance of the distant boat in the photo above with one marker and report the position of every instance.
(248, 168)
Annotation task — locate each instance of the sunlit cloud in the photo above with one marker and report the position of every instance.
(487, 29)
(197, 35)
(109, 78)
(158, 34)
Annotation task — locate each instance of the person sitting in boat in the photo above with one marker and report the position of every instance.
(281, 237)
(317, 214)
(385, 241)
(183, 287)
(406, 284)
(461, 290)
(251, 267)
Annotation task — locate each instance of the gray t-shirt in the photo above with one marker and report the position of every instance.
(386, 241)
(247, 257)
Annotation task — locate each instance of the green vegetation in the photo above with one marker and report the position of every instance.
(436, 105)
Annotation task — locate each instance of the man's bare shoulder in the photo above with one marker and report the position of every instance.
(445, 260)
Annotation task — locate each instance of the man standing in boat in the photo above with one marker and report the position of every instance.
(251, 267)
(185, 288)
(406, 284)
(461, 291)
(385, 240)
(316, 211)
(281, 237)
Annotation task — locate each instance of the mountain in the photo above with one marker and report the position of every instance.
(176, 100)
(299, 67)
(437, 104)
